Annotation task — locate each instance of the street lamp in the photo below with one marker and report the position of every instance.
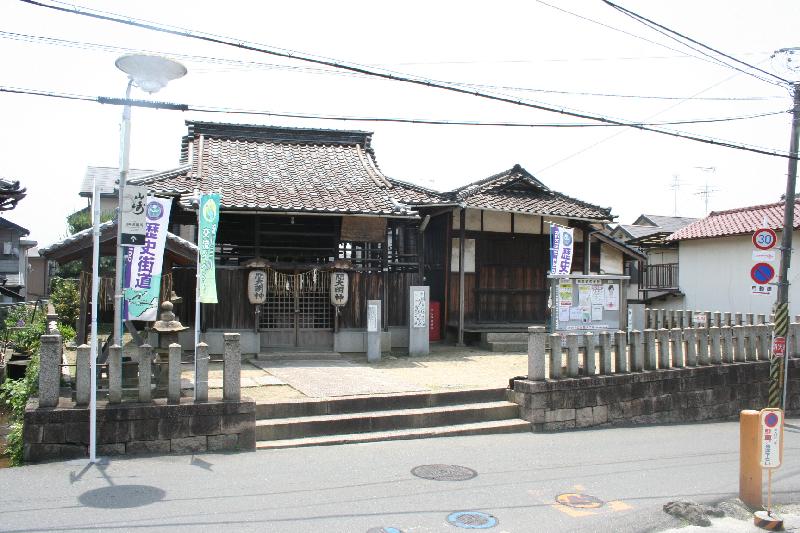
(149, 73)
(787, 60)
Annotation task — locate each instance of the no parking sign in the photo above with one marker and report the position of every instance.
(771, 435)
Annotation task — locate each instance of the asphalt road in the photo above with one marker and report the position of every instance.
(631, 472)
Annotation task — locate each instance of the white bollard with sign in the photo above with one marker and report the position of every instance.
(771, 437)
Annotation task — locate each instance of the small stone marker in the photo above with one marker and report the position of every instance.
(374, 330)
(418, 323)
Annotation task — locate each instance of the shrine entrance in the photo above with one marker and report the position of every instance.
(297, 312)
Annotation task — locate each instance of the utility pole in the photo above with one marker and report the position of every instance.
(778, 366)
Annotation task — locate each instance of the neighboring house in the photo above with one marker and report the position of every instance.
(38, 275)
(657, 277)
(13, 261)
(715, 256)
(107, 177)
(299, 203)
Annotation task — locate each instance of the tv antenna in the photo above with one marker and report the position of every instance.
(706, 192)
(675, 185)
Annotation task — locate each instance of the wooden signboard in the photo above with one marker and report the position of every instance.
(363, 229)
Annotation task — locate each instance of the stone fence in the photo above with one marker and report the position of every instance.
(650, 376)
(56, 426)
(679, 318)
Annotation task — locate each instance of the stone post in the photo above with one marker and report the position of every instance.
(650, 313)
(793, 342)
(174, 374)
(418, 323)
(555, 355)
(727, 344)
(663, 348)
(201, 379)
(751, 343)
(708, 319)
(83, 372)
(737, 319)
(115, 374)
(373, 336)
(621, 352)
(702, 346)
(232, 368)
(715, 345)
(650, 349)
(676, 339)
(738, 347)
(537, 338)
(670, 321)
(761, 319)
(605, 353)
(590, 363)
(690, 334)
(764, 339)
(688, 316)
(749, 319)
(717, 319)
(145, 372)
(660, 316)
(637, 351)
(573, 355)
(726, 319)
(49, 370)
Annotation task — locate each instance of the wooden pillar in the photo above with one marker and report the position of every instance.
(461, 238)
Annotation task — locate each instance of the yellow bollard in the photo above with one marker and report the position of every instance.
(750, 491)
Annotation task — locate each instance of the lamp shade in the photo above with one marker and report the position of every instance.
(150, 73)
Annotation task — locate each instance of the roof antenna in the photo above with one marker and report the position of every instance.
(675, 185)
(706, 192)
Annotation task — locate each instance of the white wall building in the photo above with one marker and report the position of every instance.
(715, 257)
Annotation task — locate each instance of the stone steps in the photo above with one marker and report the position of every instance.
(478, 428)
(388, 417)
(509, 347)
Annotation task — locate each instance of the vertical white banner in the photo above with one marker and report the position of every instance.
(561, 240)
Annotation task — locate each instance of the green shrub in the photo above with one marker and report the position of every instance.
(15, 393)
(65, 299)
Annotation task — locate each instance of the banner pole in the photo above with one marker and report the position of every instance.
(197, 300)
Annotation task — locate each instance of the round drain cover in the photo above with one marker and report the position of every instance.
(472, 520)
(579, 501)
(444, 472)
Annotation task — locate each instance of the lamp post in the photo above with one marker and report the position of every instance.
(149, 73)
(788, 61)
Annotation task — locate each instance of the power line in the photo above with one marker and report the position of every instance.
(244, 45)
(217, 109)
(83, 45)
(652, 23)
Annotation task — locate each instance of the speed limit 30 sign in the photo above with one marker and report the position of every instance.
(764, 238)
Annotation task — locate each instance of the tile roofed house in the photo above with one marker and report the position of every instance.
(736, 222)
(13, 260)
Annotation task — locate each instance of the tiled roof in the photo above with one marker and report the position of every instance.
(286, 170)
(668, 223)
(107, 176)
(7, 224)
(653, 226)
(736, 222)
(517, 190)
(410, 194)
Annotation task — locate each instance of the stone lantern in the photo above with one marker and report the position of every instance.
(167, 330)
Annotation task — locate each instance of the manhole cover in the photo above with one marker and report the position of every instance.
(444, 472)
(472, 520)
(579, 501)
(384, 530)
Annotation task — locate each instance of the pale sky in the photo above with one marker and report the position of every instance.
(47, 143)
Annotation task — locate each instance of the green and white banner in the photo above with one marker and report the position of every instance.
(208, 222)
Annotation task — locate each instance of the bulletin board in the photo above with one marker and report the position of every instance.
(582, 303)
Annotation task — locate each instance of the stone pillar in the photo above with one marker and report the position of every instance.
(621, 352)
(650, 313)
(669, 323)
(83, 373)
(690, 334)
(605, 353)
(676, 339)
(418, 324)
(717, 319)
(737, 319)
(708, 319)
(688, 319)
(764, 340)
(751, 342)
(726, 319)
(660, 318)
(761, 319)
(749, 319)
(663, 348)
(537, 338)
(589, 354)
(738, 347)
(373, 330)
(637, 351)
(115, 374)
(715, 345)
(174, 374)
(145, 372)
(555, 355)
(573, 355)
(650, 349)
(702, 346)
(727, 344)
(201, 379)
(793, 342)
(49, 370)
(232, 369)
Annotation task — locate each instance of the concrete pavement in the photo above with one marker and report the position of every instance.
(612, 480)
